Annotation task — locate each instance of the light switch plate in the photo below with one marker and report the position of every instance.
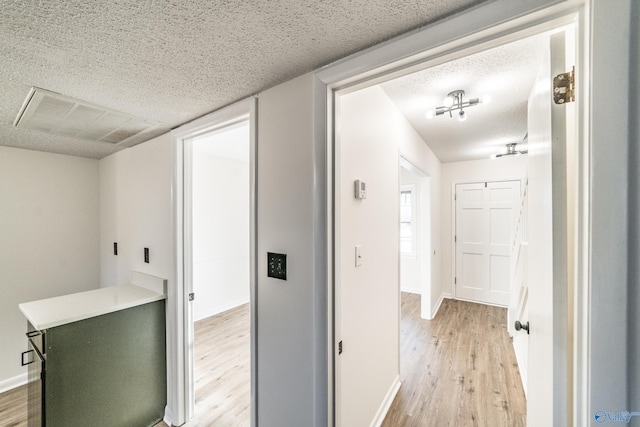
(358, 255)
(360, 189)
(277, 265)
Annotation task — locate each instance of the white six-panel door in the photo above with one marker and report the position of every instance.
(485, 219)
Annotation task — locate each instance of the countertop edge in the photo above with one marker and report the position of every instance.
(92, 313)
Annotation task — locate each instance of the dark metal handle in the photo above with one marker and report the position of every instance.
(29, 362)
(524, 326)
(33, 334)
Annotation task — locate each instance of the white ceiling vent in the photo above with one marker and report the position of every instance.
(57, 114)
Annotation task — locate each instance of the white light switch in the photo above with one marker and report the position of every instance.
(358, 255)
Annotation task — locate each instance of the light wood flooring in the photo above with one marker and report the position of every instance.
(222, 370)
(458, 369)
(13, 407)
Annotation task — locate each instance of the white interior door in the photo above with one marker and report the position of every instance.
(485, 219)
(547, 228)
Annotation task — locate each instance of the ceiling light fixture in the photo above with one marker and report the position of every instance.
(454, 102)
(511, 151)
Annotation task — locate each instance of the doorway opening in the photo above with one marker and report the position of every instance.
(415, 235)
(216, 233)
(362, 288)
(220, 254)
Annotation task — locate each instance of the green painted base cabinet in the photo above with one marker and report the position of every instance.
(107, 371)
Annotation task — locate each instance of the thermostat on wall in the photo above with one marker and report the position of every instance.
(360, 189)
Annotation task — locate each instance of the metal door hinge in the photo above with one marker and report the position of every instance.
(192, 296)
(564, 87)
(455, 280)
(340, 347)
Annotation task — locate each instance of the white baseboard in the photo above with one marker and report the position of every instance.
(482, 302)
(439, 303)
(14, 382)
(411, 290)
(221, 308)
(167, 416)
(386, 403)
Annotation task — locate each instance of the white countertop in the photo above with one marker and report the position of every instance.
(51, 312)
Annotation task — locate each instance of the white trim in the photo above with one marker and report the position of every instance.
(411, 291)
(181, 396)
(443, 296)
(482, 27)
(386, 403)
(484, 303)
(14, 382)
(582, 293)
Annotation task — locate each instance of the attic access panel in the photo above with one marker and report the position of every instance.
(57, 114)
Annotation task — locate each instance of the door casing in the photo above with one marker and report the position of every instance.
(425, 49)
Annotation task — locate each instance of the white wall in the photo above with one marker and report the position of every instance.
(292, 315)
(220, 232)
(373, 135)
(49, 231)
(418, 153)
(136, 196)
(136, 211)
(369, 294)
(502, 168)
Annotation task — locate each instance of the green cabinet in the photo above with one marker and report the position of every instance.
(108, 370)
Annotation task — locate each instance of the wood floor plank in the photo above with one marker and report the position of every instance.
(13, 407)
(458, 369)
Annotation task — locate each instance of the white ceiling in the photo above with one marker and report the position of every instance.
(172, 61)
(506, 73)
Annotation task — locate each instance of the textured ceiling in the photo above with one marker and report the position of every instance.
(172, 61)
(506, 73)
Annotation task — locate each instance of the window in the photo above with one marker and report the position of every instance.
(408, 220)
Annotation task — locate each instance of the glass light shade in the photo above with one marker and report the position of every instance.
(448, 101)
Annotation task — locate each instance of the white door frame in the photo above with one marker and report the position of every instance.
(486, 26)
(182, 396)
(423, 237)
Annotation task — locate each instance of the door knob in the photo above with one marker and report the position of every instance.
(524, 326)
